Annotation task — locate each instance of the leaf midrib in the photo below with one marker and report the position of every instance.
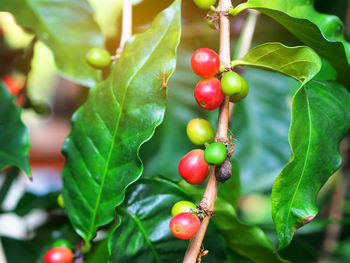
(115, 133)
(306, 154)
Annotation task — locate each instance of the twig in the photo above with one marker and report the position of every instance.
(2, 254)
(211, 189)
(336, 205)
(126, 27)
(78, 253)
(244, 42)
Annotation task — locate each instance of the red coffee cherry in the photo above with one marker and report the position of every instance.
(58, 255)
(193, 168)
(208, 93)
(184, 225)
(205, 62)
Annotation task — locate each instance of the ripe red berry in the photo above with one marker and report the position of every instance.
(208, 93)
(193, 168)
(58, 255)
(205, 62)
(13, 83)
(184, 225)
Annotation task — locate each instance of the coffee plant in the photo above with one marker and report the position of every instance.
(201, 131)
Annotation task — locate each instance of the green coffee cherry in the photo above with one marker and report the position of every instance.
(209, 19)
(232, 83)
(215, 153)
(98, 57)
(183, 207)
(236, 97)
(204, 4)
(60, 201)
(200, 131)
(62, 243)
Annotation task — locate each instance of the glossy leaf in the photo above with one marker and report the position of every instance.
(145, 218)
(67, 27)
(30, 202)
(320, 119)
(119, 116)
(301, 63)
(323, 33)
(144, 226)
(247, 240)
(14, 137)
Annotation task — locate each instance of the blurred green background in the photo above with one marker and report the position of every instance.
(30, 218)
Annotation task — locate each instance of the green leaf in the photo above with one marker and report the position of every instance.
(247, 240)
(30, 202)
(320, 119)
(144, 226)
(14, 137)
(260, 126)
(119, 116)
(67, 27)
(301, 63)
(323, 33)
(145, 218)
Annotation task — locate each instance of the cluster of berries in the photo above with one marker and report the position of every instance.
(194, 166)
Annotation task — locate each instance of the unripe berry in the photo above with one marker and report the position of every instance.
(98, 57)
(236, 97)
(183, 207)
(204, 4)
(62, 243)
(200, 131)
(232, 83)
(60, 201)
(210, 19)
(215, 153)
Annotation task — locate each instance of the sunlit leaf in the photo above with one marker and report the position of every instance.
(323, 33)
(301, 63)
(67, 27)
(119, 116)
(320, 119)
